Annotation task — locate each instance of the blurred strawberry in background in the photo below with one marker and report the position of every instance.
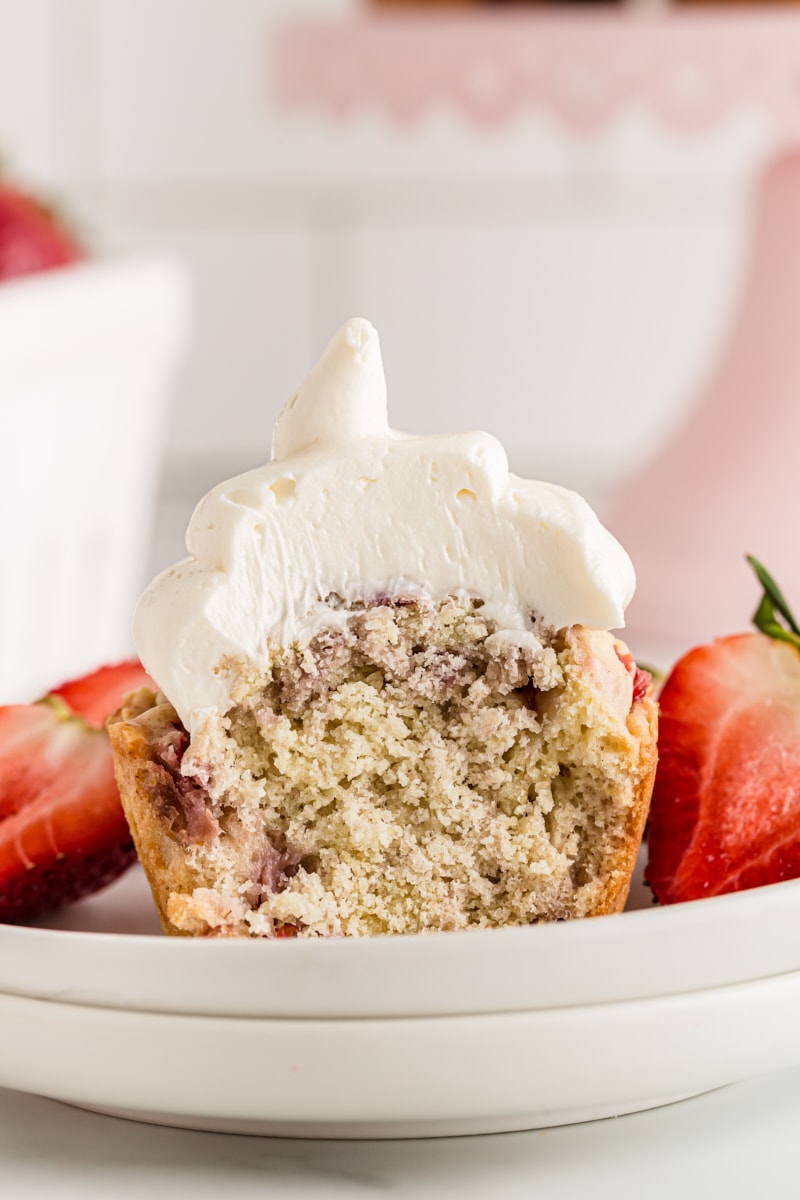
(33, 236)
(90, 338)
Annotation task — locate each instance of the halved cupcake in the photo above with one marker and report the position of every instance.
(390, 701)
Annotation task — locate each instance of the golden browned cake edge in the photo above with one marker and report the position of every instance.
(162, 858)
(643, 724)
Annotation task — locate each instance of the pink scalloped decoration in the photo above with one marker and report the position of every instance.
(692, 69)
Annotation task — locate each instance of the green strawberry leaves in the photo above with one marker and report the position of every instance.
(772, 606)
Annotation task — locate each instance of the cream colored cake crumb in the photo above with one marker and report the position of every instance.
(409, 769)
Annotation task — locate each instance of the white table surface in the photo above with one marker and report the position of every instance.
(740, 1141)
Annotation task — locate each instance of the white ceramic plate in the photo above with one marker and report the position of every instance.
(408, 1036)
(108, 952)
(393, 1078)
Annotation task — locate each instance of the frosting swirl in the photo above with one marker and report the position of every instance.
(351, 508)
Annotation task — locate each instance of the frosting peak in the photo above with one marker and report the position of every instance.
(347, 507)
(344, 397)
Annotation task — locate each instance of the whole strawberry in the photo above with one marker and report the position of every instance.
(725, 812)
(32, 237)
(63, 834)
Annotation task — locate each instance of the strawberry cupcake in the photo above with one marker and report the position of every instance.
(389, 699)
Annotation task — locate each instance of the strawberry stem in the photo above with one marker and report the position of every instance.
(771, 606)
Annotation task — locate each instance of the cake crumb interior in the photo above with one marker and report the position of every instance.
(410, 769)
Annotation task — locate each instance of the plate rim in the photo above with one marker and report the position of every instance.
(640, 954)
(547, 1066)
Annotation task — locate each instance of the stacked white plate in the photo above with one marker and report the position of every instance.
(406, 1036)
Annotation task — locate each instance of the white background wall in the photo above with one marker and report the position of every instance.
(570, 295)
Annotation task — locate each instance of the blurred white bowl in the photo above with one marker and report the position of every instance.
(87, 356)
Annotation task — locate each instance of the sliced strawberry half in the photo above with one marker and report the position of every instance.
(32, 237)
(94, 696)
(725, 813)
(63, 833)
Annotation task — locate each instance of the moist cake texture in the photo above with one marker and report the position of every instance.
(410, 767)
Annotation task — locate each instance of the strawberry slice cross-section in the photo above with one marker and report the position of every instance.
(94, 696)
(63, 833)
(725, 813)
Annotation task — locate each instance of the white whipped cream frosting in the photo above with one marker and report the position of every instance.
(349, 507)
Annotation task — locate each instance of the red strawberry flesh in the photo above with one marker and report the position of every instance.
(94, 696)
(641, 678)
(68, 879)
(63, 833)
(32, 238)
(641, 684)
(725, 813)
